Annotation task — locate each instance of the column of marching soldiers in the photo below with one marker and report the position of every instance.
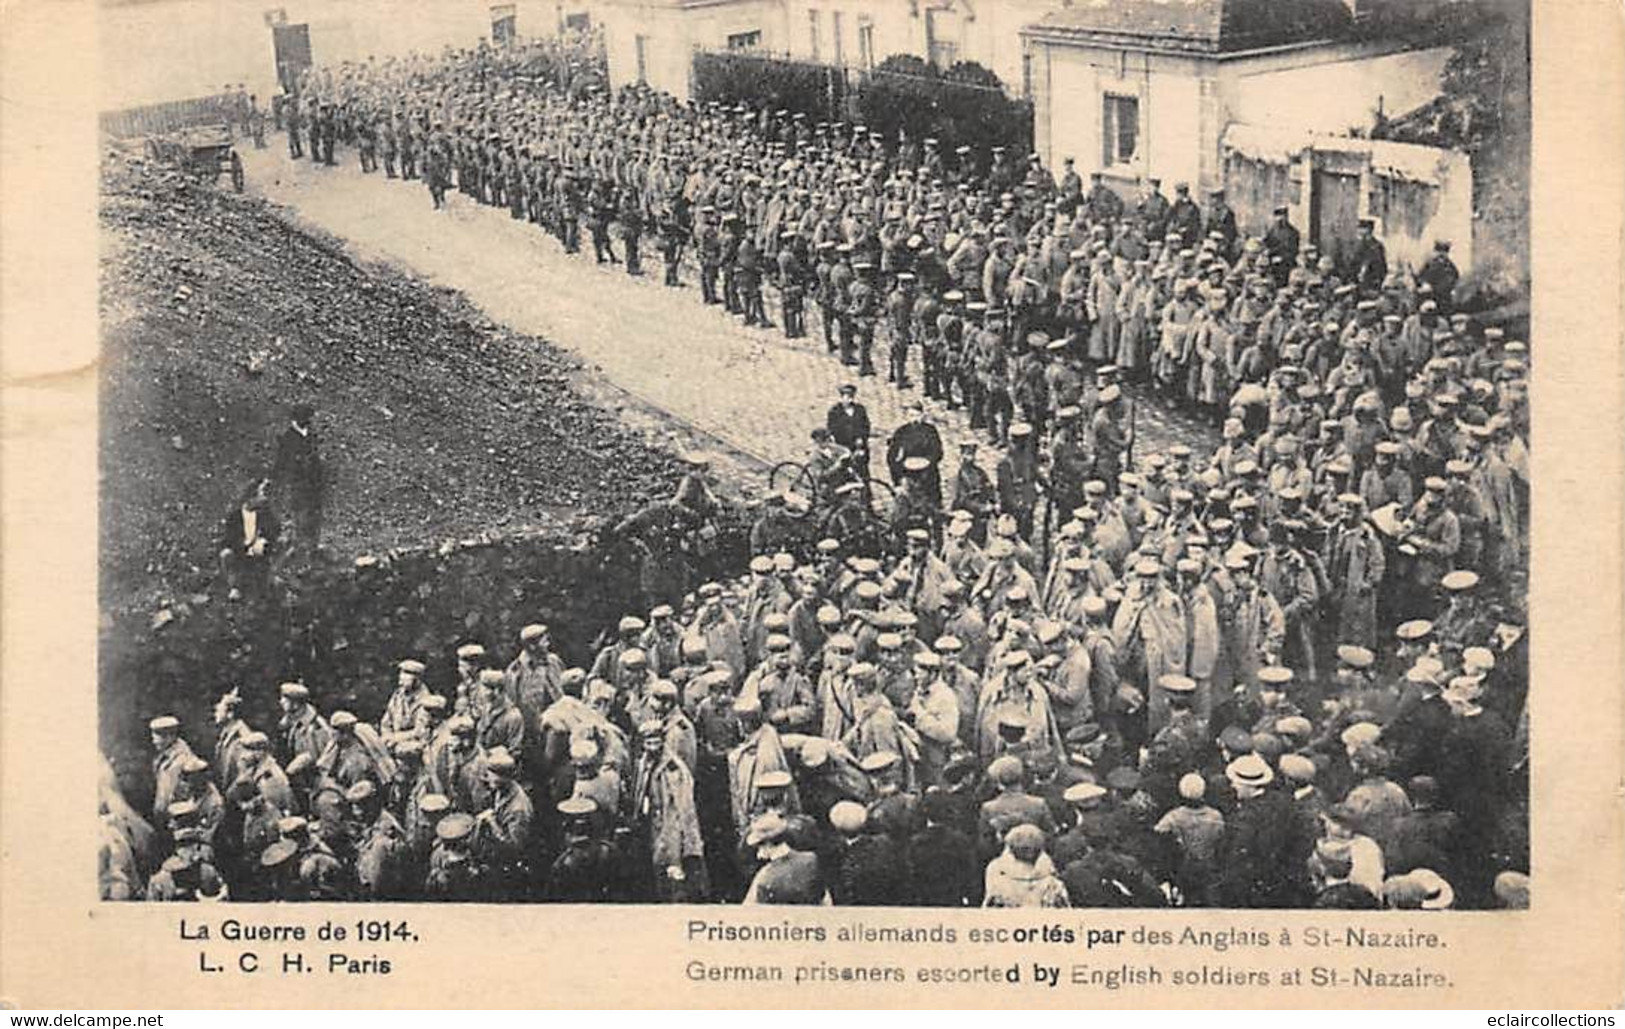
(1288, 672)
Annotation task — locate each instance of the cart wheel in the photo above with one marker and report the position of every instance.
(881, 496)
(789, 475)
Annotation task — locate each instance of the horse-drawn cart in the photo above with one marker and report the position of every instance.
(203, 152)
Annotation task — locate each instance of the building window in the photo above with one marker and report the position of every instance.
(745, 40)
(643, 58)
(814, 16)
(866, 42)
(836, 31)
(942, 38)
(581, 21)
(1120, 129)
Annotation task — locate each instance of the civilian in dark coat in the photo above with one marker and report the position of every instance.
(1257, 842)
(1423, 838)
(1475, 757)
(916, 438)
(1185, 217)
(299, 477)
(1104, 878)
(942, 868)
(874, 872)
(848, 425)
(1281, 243)
(1370, 260)
(1221, 219)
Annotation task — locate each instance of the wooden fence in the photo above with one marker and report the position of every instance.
(172, 116)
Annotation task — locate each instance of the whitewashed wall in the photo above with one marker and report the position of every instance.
(175, 49)
(673, 33)
(1072, 83)
(1337, 95)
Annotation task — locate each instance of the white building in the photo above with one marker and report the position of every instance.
(1258, 97)
(653, 41)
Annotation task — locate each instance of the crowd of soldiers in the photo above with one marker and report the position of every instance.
(986, 273)
(1289, 672)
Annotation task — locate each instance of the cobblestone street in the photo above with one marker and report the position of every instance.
(748, 387)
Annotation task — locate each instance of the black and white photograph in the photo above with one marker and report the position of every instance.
(877, 453)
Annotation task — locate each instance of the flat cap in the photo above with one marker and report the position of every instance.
(848, 817)
(879, 761)
(1192, 786)
(1236, 739)
(1173, 683)
(455, 826)
(278, 853)
(434, 803)
(1459, 580)
(1006, 770)
(498, 760)
(1084, 794)
(1416, 629)
(1297, 768)
(577, 807)
(1355, 656)
(1124, 779)
(1275, 675)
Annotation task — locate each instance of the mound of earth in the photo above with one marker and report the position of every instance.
(218, 314)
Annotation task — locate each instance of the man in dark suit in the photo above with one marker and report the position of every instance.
(1441, 275)
(1185, 217)
(1281, 243)
(1221, 219)
(1152, 210)
(942, 859)
(299, 477)
(848, 424)
(1257, 840)
(916, 438)
(1370, 259)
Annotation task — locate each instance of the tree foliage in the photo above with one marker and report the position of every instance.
(903, 94)
(731, 78)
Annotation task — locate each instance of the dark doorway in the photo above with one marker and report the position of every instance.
(292, 45)
(504, 24)
(1334, 214)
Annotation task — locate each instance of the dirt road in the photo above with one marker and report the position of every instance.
(748, 387)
